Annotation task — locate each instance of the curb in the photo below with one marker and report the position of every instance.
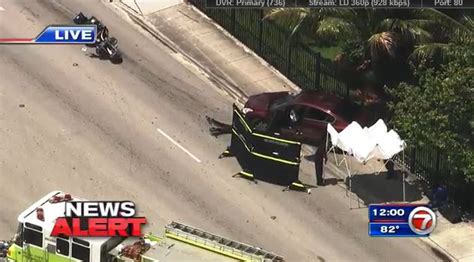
(221, 83)
(136, 5)
(443, 252)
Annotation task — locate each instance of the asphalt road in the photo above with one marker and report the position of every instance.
(102, 131)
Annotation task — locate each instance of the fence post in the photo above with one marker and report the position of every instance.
(203, 6)
(347, 89)
(288, 65)
(260, 31)
(437, 161)
(412, 160)
(232, 14)
(317, 81)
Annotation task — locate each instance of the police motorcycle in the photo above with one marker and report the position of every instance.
(105, 45)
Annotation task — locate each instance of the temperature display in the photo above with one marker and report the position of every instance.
(390, 229)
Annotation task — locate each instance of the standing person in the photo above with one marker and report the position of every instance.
(320, 158)
(439, 197)
(390, 169)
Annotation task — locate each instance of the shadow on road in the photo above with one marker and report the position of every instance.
(113, 61)
(372, 188)
(332, 181)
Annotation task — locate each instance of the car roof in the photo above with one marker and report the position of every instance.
(322, 100)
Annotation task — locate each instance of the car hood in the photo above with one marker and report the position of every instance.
(261, 102)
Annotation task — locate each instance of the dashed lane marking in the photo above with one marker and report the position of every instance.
(178, 145)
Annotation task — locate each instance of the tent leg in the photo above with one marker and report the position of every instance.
(327, 142)
(349, 171)
(404, 192)
(404, 186)
(357, 197)
(350, 191)
(347, 189)
(358, 201)
(348, 175)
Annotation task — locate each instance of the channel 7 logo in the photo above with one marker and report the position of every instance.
(422, 220)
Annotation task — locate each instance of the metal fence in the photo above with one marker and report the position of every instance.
(303, 66)
(307, 69)
(425, 160)
(430, 165)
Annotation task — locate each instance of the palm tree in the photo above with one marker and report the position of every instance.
(448, 33)
(394, 34)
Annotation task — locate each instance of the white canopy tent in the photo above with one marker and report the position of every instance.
(363, 144)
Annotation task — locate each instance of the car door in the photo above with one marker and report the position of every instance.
(290, 127)
(314, 125)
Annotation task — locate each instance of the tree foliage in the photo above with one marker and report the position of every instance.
(398, 35)
(439, 111)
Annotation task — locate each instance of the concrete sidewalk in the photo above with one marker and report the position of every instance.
(145, 7)
(240, 73)
(455, 239)
(235, 68)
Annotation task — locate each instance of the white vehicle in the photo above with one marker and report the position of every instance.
(33, 241)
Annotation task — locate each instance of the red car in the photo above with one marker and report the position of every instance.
(304, 116)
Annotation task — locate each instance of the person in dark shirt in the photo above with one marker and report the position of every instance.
(320, 158)
(440, 196)
(390, 169)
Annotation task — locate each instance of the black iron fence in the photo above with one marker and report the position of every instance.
(303, 66)
(307, 69)
(426, 160)
(430, 165)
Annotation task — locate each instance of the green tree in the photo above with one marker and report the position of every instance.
(388, 34)
(450, 30)
(438, 111)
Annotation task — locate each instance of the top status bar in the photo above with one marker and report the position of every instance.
(440, 4)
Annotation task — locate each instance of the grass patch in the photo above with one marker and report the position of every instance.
(329, 52)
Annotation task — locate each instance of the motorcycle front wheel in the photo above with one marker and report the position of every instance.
(116, 57)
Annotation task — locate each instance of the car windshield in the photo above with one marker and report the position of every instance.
(283, 102)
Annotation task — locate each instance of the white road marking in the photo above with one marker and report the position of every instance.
(178, 145)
